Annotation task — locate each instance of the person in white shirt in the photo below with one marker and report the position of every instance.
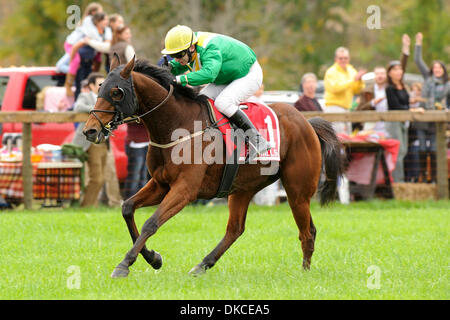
(374, 98)
(121, 44)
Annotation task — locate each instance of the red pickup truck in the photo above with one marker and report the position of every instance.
(19, 88)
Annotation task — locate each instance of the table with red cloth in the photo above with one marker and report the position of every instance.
(363, 170)
(51, 180)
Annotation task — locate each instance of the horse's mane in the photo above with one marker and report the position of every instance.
(164, 77)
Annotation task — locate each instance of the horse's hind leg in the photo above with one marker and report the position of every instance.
(299, 195)
(307, 231)
(238, 205)
(151, 194)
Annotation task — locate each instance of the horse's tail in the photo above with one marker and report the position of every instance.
(332, 159)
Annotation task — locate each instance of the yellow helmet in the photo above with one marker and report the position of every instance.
(179, 38)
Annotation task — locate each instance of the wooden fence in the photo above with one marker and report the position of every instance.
(439, 117)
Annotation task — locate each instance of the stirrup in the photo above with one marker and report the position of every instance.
(261, 145)
(258, 145)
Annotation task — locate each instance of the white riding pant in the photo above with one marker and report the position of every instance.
(228, 97)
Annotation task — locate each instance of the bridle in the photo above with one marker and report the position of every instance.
(126, 107)
(121, 118)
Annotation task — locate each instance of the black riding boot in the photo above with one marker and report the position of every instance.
(257, 142)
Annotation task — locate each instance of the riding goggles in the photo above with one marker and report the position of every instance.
(178, 55)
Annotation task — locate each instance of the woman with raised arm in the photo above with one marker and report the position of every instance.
(435, 89)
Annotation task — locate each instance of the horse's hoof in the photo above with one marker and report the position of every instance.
(120, 273)
(157, 261)
(153, 258)
(197, 271)
(306, 265)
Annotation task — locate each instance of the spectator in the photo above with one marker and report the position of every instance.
(90, 59)
(257, 96)
(136, 144)
(436, 81)
(416, 95)
(308, 102)
(342, 81)
(115, 21)
(96, 152)
(435, 90)
(111, 191)
(121, 44)
(86, 27)
(62, 65)
(84, 86)
(110, 194)
(373, 97)
(412, 159)
(136, 147)
(398, 99)
(101, 42)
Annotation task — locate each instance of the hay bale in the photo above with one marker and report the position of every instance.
(415, 191)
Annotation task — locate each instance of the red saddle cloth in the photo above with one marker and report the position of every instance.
(264, 119)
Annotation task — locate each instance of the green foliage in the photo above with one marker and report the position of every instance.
(290, 37)
(35, 32)
(432, 18)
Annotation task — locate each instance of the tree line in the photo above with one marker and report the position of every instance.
(290, 37)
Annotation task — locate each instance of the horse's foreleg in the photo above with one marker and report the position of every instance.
(238, 205)
(151, 194)
(175, 200)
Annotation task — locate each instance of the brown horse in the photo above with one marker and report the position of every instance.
(148, 91)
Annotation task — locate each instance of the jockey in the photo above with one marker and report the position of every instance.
(227, 66)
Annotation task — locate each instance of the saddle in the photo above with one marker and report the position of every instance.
(237, 150)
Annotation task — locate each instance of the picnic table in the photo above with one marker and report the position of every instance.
(58, 180)
(371, 162)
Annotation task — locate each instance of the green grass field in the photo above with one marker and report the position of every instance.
(372, 250)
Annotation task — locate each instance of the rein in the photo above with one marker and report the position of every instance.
(138, 118)
(118, 117)
(186, 138)
(118, 120)
(174, 143)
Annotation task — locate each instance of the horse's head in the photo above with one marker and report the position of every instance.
(116, 100)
